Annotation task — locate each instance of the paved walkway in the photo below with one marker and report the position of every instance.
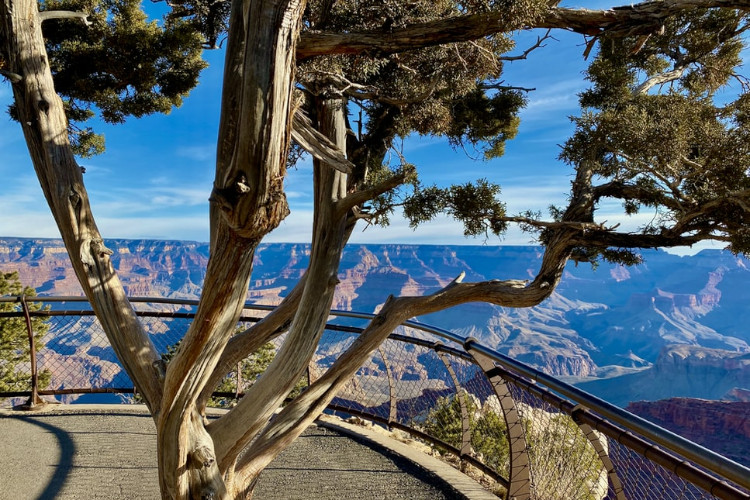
(110, 452)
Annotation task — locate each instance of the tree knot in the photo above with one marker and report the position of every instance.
(43, 106)
(202, 457)
(99, 249)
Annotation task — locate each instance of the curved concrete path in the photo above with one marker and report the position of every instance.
(109, 452)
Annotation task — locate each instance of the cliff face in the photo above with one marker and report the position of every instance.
(721, 426)
(680, 371)
(146, 267)
(598, 322)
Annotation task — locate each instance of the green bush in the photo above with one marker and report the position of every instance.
(14, 338)
(563, 462)
(250, 369)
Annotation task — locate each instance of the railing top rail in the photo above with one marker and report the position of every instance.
(248, 305)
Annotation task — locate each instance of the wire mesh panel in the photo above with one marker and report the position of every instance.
(421, 381)
(564, 463)
(75, 357)
(489, 440)
(77, 354)
(642, 478)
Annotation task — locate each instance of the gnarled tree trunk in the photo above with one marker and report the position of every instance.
(247, 203)
(40, 111)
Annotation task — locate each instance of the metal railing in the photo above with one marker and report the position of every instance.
(522, 433)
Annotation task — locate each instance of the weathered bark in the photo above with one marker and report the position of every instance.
(198, 460)
(301, 412)
(239, 427)
(247, 203)
(44, 125)
(245, 343)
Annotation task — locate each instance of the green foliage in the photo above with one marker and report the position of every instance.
(563, 463)
(208, 17)
(124, 65)
(452, 91)
(250, 369)
(489, 437)
(121, 65)
(14, 338)
(594, 256)
(476, 205)
(483, 119)
(655, 135)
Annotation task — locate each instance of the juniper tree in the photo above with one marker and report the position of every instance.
(14, 337)
(343, 80)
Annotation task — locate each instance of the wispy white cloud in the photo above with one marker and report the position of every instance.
(295, 195)
(20, 189)
(94, 168)
(11, 138)
(296, 228)
(441, 231)
(124, 214)
(27, 224)
(548, 102)
(146, 200)
(195, 228)
(197, 153)
(519, 198)
(25, 211)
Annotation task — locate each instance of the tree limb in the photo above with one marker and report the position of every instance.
(298, 414)
(235, 430)
(41, 115)
(660, 79)
(13, 77)
(252, 148)
(359, 198)
(317, 144)
(345, 87)
(46, 15)
(621, 190)
(626, 20)
(249, 341)
(525, 54)
(540, 224)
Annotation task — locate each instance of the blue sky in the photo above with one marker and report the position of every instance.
(156, 175)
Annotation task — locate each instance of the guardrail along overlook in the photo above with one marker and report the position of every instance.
(520, 432)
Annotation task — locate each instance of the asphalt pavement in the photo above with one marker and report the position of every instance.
(109, 452)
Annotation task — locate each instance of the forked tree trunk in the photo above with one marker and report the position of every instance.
(198, 460)
(247, 203)
(242, 425)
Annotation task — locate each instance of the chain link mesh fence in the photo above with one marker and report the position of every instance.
(436, 391)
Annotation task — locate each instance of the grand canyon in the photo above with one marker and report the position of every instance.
(671, 327)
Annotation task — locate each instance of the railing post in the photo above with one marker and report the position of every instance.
(465, 421)
(310, 373)
(599, 443)
(392, 408)
(34, 400)
(520, 468)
